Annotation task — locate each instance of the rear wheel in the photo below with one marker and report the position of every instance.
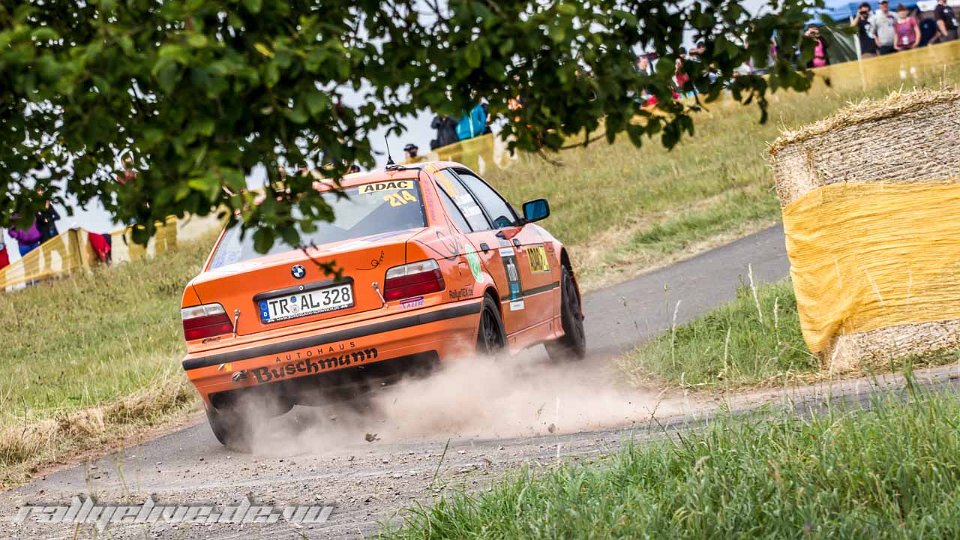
(573, 344)
(491, 338)
(229, 428)
(231, 423)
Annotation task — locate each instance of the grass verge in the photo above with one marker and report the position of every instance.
(892, 471)
(753, 341)
(91, 358)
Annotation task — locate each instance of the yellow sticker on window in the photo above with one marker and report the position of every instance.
(400, 198)
(383, 186)
(538, 259)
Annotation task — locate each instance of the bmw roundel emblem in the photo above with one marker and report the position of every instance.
(298, 271)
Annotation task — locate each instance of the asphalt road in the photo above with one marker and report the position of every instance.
(461, 428)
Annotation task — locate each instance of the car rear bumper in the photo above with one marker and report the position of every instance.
(446, 330)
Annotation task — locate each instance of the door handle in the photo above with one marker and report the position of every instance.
(484, 247)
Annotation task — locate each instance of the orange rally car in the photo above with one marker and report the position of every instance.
(435, 265)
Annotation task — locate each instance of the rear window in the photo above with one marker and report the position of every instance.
(368, 209)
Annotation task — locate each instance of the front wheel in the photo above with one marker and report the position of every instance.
(491, 337)
(573, 344)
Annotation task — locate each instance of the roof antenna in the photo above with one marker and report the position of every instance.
(390, 162)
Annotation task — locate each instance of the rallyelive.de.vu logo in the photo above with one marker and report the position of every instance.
(86, 510)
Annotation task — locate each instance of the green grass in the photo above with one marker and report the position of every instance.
(889, 472)
(93, 337)
(753, 340)
(622, 210)
(92, 359)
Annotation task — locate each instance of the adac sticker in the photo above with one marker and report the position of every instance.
(538, 259)
(474, 261)
(383, 186)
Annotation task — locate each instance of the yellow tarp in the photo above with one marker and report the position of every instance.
(872, 255)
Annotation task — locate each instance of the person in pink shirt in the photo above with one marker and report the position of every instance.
(820, 58)
(907, 29)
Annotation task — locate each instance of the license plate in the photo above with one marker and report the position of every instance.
(302, 304)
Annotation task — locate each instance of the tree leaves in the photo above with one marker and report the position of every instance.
(184, 99)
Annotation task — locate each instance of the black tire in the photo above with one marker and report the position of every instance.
(573, 344)
(491, 337)
(229, 428)
(232, 428)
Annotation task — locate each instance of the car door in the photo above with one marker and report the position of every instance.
(521, 245)
(464, 209)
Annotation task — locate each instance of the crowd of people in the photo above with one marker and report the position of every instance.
(882, 32)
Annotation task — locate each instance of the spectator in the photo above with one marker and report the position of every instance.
(643, 66)
(820, 58)
(27, 239)
(4, 256)
(472, 124)
(928, 29)
(907, 29)
(411, 150)
(864, 25)
(680, 79)
(884, 32)
(946, 23)
(446, 131)
(47, 222)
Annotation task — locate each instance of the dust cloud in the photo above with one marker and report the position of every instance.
(479, 397)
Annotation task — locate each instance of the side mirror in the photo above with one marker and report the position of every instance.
(535, 210)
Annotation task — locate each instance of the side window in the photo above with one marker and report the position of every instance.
(499, 211)
(454, 212)
(463, 200)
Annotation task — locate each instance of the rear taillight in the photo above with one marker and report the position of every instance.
(205, 321)
(413, 279)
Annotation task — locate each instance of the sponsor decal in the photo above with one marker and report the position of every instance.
(516, 305)
(471, 211)
(460, 294)
(411, 302)
(450, 244)
(374, 262)
(509, 258)
(310, 366)
(399, 198)
(474, 261)
(383, 186)
(538, 259)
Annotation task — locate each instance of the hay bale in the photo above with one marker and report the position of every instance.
(904, 138)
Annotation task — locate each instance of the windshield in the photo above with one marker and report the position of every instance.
(368, 209)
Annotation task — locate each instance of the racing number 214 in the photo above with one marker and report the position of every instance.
(399, 199)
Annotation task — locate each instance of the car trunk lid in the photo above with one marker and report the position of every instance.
(292, 288)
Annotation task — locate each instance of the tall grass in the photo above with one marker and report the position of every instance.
(754, 340)
(889, 472)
